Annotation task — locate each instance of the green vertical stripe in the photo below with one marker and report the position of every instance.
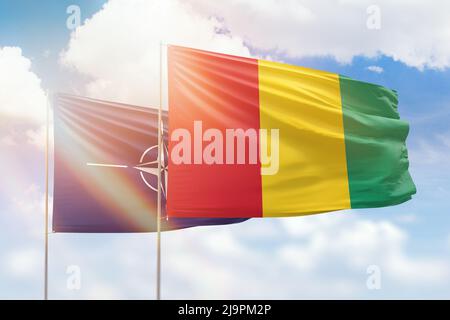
(377, 159)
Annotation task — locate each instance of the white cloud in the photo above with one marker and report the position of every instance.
(430, 271)
(326, 259)
(22, 115)
(376, 69)
(29, 206)
(339, 28)
(21, 94)
(361, 242)
(23, 105)
(23, 102)
(23, 263)
(322, 256)
(118, 48)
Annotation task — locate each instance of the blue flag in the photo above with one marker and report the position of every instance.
(106, 168)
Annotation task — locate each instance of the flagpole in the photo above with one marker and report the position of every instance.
(46, 198)
(158, 236)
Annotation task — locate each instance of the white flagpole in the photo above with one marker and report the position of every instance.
(46, 197)
(158, 236)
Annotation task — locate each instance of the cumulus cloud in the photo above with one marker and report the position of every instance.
(316, 256)
(340, 28)
(119, 47)
(23, 102)
(324, 256)
(359, 243)
(23, 105)
(28, 208)
(21, 94)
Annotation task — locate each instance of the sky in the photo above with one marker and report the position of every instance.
(113, 54)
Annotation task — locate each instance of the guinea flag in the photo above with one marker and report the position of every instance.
(324, 142)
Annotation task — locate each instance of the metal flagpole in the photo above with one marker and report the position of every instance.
(158, 236)
(46, 197)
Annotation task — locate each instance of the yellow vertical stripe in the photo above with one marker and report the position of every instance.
(305, 105)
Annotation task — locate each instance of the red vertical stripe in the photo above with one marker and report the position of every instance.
(222, 92)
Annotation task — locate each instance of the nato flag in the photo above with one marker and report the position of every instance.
(106, 168)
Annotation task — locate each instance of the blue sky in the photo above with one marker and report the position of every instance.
(415, 235)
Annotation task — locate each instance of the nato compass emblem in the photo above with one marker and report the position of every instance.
(147, 167)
